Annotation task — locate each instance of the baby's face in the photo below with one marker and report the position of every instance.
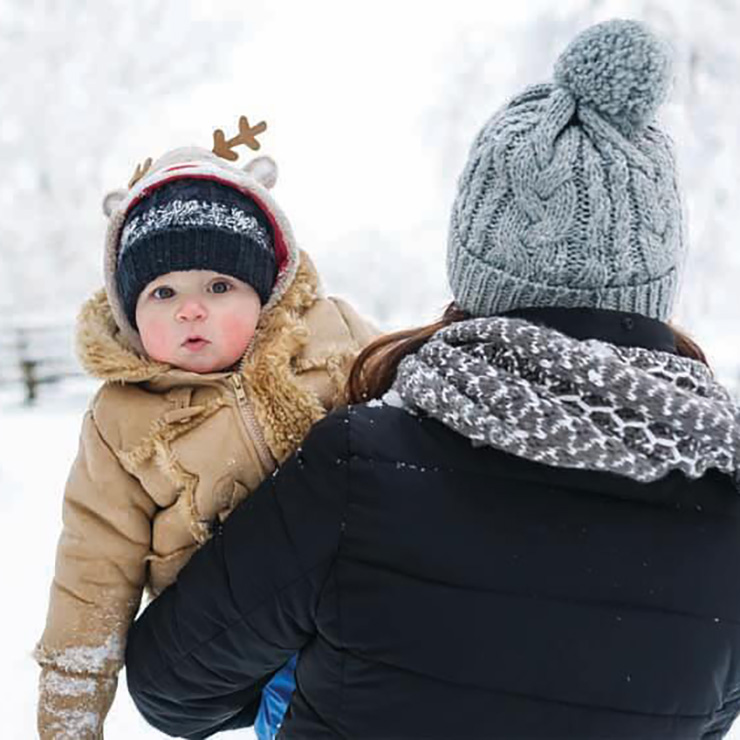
(197, 320)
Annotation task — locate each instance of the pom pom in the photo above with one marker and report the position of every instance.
(264, 170)
(111, 201)
(620, 69)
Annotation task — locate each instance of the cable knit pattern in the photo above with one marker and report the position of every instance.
(569, 196)
(538, 394)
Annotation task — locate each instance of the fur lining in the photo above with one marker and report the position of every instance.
(100, 348)
(284, 410)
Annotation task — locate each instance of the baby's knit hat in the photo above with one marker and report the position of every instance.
(194, 224)
(192, 209)
(569, 196)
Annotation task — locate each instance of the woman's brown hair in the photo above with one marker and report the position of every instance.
(374, 370)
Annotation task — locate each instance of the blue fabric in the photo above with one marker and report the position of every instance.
(274, 703)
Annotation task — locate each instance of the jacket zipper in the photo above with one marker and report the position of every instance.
(250, 423)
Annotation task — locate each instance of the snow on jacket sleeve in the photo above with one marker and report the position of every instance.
(200, 654)
(98, 580)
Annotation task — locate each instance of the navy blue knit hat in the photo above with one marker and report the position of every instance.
(195, 224)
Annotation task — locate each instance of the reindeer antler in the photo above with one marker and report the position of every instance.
(139, 172)
(247, 135)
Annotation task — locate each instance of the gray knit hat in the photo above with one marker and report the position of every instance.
(569, 196)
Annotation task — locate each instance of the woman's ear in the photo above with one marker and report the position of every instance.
(111, 201)
(264, 170)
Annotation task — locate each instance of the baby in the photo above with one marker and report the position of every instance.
(217, 352)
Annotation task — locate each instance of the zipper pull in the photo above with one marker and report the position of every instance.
(239, 389)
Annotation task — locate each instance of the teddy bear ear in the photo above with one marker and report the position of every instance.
(264, 170)
(111, 201)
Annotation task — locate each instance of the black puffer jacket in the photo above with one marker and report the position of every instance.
(441, 590)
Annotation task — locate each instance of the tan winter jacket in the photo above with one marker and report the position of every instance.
(163, 454)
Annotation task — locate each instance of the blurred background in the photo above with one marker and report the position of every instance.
(370, 111)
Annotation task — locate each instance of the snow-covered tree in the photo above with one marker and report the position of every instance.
(74, 77)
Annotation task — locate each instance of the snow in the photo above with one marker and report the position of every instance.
(86, 658)
(72, 724)
(392, 398)
(64, 685)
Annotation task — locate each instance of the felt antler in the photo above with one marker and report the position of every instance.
(247, 135)
(140, 171)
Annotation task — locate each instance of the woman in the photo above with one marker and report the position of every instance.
(538, 535)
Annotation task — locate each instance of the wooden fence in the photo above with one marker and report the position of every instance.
(35, 353)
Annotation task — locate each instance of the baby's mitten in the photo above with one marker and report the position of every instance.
(73, 705)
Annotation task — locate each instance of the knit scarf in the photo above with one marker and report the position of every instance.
(538, 394)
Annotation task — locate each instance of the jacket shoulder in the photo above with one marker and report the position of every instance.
(383, 431)
(334, 336)
(386, 432)
(328, 438)
(361, 329)
(124, 412)
(334, 328)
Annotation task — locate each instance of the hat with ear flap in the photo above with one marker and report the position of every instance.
(193, 209)
(569, 197)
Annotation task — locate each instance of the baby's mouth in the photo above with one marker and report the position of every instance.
(195, 343)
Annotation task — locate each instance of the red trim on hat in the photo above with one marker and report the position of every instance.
(174, 167)
(281, 250)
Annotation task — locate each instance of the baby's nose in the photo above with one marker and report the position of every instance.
(191, 310)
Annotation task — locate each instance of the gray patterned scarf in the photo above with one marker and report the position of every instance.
(538, 394)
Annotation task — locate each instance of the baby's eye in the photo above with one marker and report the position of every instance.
(221, 286)
(163, 292)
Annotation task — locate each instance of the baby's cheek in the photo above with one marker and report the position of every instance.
(155, 337)
(236, 333)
